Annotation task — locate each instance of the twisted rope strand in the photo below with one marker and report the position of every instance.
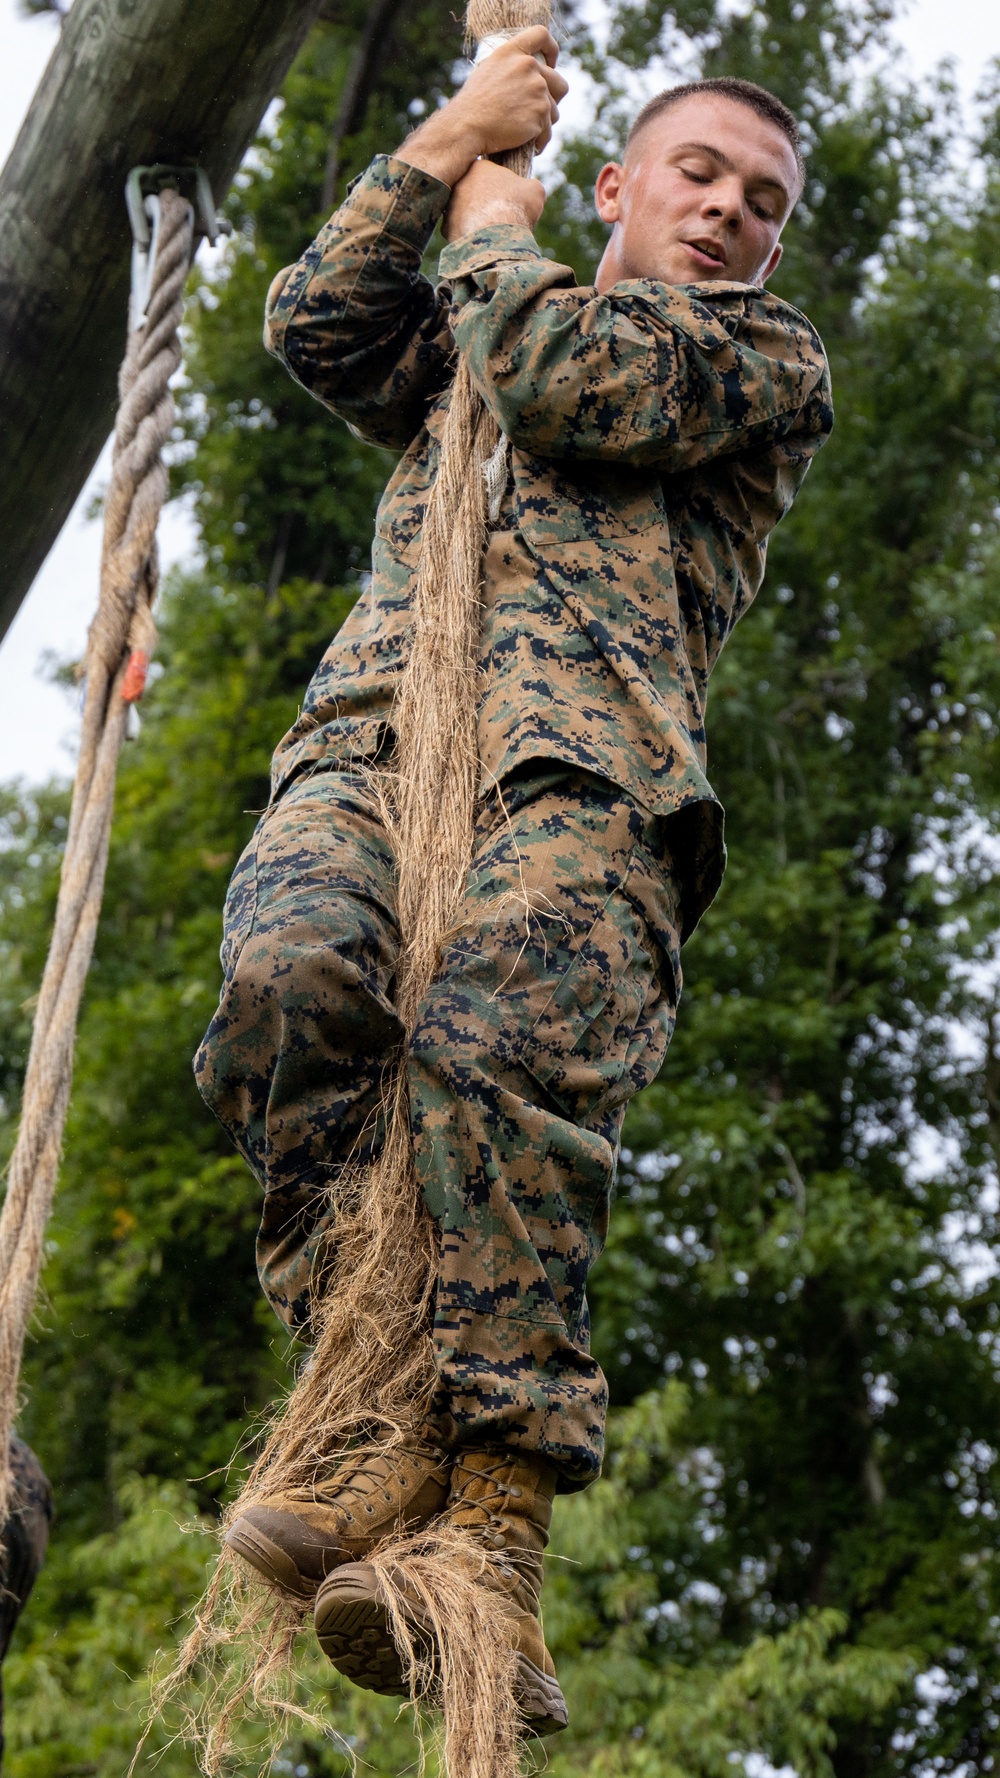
(122, 625)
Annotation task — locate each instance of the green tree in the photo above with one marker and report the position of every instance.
(790, 1558)
(812, 1174)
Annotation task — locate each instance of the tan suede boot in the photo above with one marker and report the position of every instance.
(371, 1495)
(504, 1498)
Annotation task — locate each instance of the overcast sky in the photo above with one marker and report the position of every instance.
(36, 721)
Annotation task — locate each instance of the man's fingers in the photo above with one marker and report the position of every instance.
(542, 141)
(536, 40)
(539, 41)
(512, 96)
(557, 86)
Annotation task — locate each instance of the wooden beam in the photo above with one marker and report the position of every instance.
(131, 82)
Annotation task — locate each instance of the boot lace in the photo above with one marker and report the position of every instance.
(358, 1481)
(486, 1514)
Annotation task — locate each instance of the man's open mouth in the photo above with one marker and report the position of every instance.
(710, 250)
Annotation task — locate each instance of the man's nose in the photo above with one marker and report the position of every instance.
(726, 203)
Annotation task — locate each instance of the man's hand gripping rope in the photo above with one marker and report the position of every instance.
(510, 99)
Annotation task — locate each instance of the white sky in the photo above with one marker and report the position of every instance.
(36, 721)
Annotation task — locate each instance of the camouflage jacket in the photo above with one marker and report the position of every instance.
(658, 434)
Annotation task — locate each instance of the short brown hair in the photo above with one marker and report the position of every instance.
(744, 92)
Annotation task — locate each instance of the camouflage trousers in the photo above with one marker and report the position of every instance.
(554, 1003)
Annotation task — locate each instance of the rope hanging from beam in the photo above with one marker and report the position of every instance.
(373, 1368)
(119, 645)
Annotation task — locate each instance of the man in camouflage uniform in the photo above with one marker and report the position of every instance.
(660, 424)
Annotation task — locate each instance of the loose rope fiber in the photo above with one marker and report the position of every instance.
(371, 1375)
(119, 644)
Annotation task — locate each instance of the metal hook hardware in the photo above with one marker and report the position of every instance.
(142, 197)
(147, 181)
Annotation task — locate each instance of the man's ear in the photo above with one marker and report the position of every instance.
(773, 263)
(607, 192)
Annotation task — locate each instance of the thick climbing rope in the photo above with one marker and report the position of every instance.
(373, 1369)
(119, 644)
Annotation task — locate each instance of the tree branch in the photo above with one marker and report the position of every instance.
(369, 56)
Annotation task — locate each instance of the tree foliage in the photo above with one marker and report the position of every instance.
(791, 1558)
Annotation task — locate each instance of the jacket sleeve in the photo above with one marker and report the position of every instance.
(659, 375)
(355, 321)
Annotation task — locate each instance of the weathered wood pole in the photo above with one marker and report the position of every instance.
(131, 82)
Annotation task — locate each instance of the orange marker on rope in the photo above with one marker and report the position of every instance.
(134, 682)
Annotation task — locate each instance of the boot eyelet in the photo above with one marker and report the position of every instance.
(515, 1493)
(369, 1509)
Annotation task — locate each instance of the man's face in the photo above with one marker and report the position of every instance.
(704, 193)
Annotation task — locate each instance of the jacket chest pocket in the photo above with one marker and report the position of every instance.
(623, 594)
(558, 502)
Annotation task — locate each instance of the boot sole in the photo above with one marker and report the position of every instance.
(270, 1561)
(352, 1629)
(539, 1699)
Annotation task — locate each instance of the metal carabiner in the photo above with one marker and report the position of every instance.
(144, 262)
(143, 206)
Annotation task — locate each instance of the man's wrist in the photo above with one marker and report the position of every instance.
(443, 147)
(502, 213)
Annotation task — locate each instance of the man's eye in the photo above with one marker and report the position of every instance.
(699, 178)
